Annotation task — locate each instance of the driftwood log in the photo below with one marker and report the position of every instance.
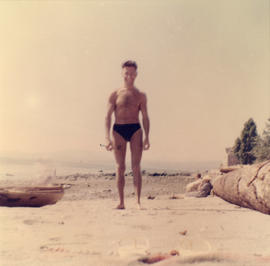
(248, 186)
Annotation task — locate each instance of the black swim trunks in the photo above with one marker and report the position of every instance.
(126, 130)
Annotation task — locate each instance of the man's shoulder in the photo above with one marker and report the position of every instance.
(116, 92)
(113, 95)
(142, 95)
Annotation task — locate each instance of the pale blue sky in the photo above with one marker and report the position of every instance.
(204, 66)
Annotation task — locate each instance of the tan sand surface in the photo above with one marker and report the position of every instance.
(85, 229)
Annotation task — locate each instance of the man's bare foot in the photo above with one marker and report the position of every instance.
(139, 206)
(120, 207)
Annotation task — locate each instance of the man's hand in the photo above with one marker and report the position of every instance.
(146, 144)
(108, 145)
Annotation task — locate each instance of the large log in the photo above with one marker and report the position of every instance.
(248, 186)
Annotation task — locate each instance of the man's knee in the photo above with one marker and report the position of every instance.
(135, 167)
(121, 168)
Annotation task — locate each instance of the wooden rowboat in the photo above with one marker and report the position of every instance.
(30, 196)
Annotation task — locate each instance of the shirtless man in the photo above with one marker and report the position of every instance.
(126, 103)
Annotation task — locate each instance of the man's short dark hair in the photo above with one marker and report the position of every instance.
(130, 63)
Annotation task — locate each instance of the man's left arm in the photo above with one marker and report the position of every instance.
(146, 122)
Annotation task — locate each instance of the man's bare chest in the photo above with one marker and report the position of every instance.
(127, 100)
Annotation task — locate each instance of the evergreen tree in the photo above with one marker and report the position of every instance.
(262, 149)
(237, 146)
(266, 133)
(244, 146)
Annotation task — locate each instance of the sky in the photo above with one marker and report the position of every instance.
(204, 66)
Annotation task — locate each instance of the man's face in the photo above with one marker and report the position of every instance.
(129, 74)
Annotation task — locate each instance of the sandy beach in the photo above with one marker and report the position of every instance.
(85, 229)
(175, 88)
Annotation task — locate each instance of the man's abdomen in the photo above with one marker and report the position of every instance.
(126, 115)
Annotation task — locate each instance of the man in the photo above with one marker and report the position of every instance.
(126, 103)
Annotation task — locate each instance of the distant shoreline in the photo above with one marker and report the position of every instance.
(158, 166)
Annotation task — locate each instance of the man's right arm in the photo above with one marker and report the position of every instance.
(110, 110)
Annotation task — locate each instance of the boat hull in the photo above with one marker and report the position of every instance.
(30, 196)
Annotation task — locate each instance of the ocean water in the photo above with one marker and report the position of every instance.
(38, 169)
(42, 170)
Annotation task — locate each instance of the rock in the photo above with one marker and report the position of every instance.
(199, 188)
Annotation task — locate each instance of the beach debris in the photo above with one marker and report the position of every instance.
(66, 186)
(53, 248)
(8, 174)
(174, 252)
(229, 169)
(151, 197)
(164, 173)
(151, 259)
(157, 174)
(248, 186)
(198, 175)
(174, 197)
(183, 233)
(218, 257)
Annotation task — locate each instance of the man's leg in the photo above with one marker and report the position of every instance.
(119, 148)
(136, 147)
